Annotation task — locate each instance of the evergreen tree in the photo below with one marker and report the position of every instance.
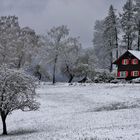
(111, 34)
(137, 17)
(127, 19)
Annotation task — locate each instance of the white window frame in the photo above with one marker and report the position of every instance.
(122, 74)
(125, 61)
(135, 73)
(134, 61)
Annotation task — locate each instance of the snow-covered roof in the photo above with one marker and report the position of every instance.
(135, 53)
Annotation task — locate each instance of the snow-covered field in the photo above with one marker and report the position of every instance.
(80, 112)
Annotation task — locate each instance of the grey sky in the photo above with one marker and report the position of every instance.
(79, 15)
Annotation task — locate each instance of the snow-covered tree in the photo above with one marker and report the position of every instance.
(78, 63)
(27, 43)
(127, 20)
(99, 45)
(41, 60)
(110, 35)
(56, 39)
(69, 57)
(17, 91)
(17, 45)
(137, 20)
(9, 32)
(86, 64)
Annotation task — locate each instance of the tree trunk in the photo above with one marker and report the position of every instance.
(128, 43)
(83, 80)
(39, 75)
(20, 61)
(139, 40)
(3, 117)
(128, 29)
(139, 36)
(111, 58)
(54, 70)
(19, 64)
(71, 78)
(117, 47)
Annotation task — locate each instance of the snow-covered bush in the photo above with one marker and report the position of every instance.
(17, 91)
(103, 77)
(39, 71)
(137, 80)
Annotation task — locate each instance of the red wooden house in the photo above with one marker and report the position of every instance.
(128, 65)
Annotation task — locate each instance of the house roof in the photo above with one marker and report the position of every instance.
(133, 52)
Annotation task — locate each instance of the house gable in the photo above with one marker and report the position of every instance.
(128, 65)
(127, 55)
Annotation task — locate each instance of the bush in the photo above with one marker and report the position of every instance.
(103, 77)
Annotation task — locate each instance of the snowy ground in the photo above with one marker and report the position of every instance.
(80, 112)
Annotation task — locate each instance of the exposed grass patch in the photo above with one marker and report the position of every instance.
(118, 106)
(93, 138)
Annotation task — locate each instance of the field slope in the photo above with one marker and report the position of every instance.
(80, 112)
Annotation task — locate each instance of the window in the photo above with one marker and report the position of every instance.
(134, 61)
(125, 61)
(135, 73)
(122, 74)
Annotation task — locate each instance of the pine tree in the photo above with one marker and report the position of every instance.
(127, 20)
(111, 34)
(137, 17)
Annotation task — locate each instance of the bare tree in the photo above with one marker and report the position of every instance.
(17, 91)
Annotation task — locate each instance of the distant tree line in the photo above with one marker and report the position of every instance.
(47, 57)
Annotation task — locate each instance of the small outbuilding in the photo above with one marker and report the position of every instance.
(128, 65)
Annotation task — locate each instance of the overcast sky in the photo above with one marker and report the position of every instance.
(78, 15)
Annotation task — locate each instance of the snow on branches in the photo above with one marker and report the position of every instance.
(17, 91)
